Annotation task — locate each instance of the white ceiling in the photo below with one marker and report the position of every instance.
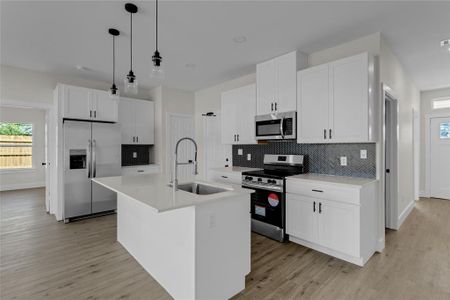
(55, 36)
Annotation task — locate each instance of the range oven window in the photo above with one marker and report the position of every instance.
(267, 128)
(267, 206)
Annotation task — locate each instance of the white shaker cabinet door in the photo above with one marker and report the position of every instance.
(229, 116)
(286, 72)
(339, 226)
(127, 119)
(105, 108)
(313, 105)
(349, 92)
(266, 85)
(145, 120)
(77, 103)
(301, 217)
(246, 109)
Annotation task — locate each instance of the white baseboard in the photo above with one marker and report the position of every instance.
(21, 186)
(405, 213)
(424, 194)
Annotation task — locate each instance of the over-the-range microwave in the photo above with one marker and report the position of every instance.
(277, 126)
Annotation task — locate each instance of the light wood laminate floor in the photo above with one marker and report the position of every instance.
(43, 259)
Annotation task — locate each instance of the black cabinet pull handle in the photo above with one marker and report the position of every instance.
(314, 206)
(224, 176)
(320, 207)
(137, 139)
(324, 134)
(140, 171)
(90, 114)
(95, 114)
(329, 133)
(238, 137)
(271, 106)
(275, 106)
(317, 191)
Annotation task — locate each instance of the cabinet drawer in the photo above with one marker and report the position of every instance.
(226, 177)
(323, 191)
(138, 170)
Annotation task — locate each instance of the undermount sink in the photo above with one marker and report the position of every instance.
(200, 189)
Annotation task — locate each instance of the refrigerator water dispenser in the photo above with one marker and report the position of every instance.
(77, 159)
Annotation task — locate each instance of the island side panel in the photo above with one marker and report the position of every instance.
(222, 247)
(162, 243)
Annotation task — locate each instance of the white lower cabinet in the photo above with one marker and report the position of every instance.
(139, 170)
(226, 177)
(337, 221)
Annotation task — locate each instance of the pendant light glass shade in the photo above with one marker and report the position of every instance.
(130, 82)
(157, 69)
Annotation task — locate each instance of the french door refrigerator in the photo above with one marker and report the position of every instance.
(90, 150)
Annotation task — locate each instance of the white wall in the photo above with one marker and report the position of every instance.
(426, 98)
(209, 100)
(168, 100)
(394, 75)
(26, 85)
(26, 178)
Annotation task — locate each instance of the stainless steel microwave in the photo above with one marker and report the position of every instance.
(278, 126)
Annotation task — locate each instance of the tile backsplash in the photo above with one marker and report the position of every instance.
(322, 158)
(133, 155)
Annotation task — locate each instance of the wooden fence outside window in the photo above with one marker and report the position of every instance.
(16, 151)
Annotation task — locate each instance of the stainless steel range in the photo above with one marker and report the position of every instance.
(268, 201)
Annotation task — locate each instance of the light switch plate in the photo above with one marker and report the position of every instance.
(134, 154)
(249, 156)
(240, 152)
(363, 153)
(343, 160)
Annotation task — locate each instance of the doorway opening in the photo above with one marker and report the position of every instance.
(438, 160)
(391, 136)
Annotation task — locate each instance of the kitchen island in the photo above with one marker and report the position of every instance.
(195, 246)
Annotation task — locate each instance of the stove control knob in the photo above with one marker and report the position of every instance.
(271, 181)
(248, 178)
(259, 179)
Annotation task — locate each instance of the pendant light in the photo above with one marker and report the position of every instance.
(130, 82)
(157, 70)
(114, 91)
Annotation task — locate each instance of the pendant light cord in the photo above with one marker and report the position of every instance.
(131, 41)
(156, 25)
(114, 59)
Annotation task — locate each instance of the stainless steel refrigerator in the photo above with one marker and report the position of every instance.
(90, 150)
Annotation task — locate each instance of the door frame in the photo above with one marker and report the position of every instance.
(49, 128)
(428, 117)
(389, 95)
(169, 163)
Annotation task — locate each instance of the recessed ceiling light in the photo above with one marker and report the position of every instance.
(240, 39)
(190, 65)
(81, 68)
(446, 44)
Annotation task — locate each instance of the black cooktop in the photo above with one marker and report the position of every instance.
(276, 174)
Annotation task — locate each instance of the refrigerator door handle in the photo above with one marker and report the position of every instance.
(90, 160)
(94, 159)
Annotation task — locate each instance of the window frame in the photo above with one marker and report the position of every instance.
(33, 161)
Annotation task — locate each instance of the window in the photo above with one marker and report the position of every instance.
(439, 103)
(16, 145)
(444, 131)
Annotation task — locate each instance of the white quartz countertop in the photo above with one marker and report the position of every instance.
(233, 169)
(154, 190)
(353, 181)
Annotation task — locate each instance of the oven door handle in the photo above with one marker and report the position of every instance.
(258, 187)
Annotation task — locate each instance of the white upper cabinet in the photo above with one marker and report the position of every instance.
(313, 105)
(88, 104)
(77, 102)
(336, 102)
(137, 121)
(276, 84)
(238, 115)
(104, 108)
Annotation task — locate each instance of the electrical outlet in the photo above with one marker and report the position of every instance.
(240, 152)
(134, 154)
(343, 160)
(249, 156)
(363, 153)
